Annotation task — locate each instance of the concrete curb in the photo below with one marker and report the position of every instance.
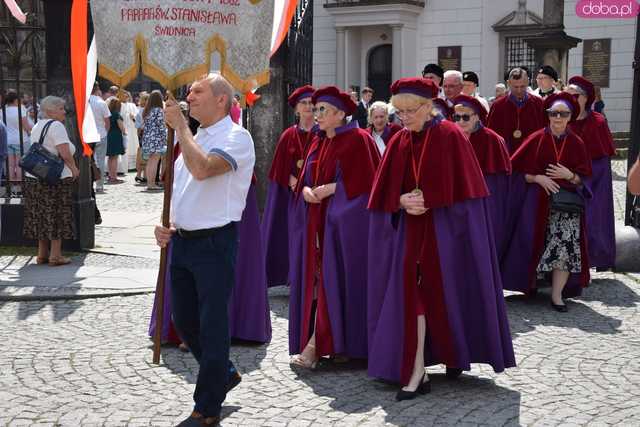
(32, 293)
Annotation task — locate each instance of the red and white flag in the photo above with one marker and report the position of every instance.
(16, 11)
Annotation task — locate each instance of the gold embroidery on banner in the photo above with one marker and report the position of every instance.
(214, 44)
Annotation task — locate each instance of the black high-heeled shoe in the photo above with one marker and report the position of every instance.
(562, 308)
(423, 388)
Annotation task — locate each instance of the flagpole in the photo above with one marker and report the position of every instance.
(162, 271)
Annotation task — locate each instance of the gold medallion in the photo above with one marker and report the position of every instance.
(417, 192)
(517, 133)
(299, 164)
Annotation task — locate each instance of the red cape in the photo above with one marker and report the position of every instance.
(450, 172)
(290, 149)
(389, 131)
(596, 135)
(533, 157)
(503, 118)
(491, 151)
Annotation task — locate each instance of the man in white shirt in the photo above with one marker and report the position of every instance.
(211, 181)
(101, 115)
(470, 84)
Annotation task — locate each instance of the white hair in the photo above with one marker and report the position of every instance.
(453, 73)
(577, 89)
(378, 105)
(501, 86)
(49, 103)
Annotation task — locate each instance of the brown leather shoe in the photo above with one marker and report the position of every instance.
(196, 419)
(54, 262)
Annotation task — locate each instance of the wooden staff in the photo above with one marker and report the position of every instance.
(162, 272)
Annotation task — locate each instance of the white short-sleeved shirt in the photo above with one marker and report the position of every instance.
(13, 132)
(218, 200)
(100, 112)
(56, 135)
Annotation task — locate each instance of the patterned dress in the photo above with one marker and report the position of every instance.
(562, 246)
(154, 138)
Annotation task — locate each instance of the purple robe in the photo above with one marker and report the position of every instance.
(168, 334)
(600, 216)
(479, 332)
(498, 204)
(249, 317)
(275, 233)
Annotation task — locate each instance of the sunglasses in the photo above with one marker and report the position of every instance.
(321, 111)
(559, 114)
(463, 117)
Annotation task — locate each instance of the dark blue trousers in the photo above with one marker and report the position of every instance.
(202, 276)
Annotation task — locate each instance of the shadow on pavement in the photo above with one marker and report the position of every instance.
(525, 314)
(610, 292)
(467, 399)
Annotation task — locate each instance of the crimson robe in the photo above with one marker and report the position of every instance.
(280, 206)
(338, 271)
(450, 245)
(507, 114)
(519, 267)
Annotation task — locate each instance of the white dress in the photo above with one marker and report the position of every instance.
(129, 109)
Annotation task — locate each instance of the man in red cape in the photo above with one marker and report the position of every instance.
(518, 114)
(438, 261)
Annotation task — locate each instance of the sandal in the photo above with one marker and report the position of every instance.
(42, 260)
(302, 361)
(55, 262)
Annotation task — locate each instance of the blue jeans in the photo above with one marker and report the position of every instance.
(3, 162)
(202, 277)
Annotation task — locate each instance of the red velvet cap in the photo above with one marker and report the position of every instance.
(567, 99)
(334, 96)
(425, 88)
(585, 85)
(300, 94)
(474, 104)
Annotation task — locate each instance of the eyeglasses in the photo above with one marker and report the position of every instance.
(464, 117)
(408, 111)
(559, 114)
(321, 111)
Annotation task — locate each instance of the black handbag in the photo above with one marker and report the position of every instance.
(41, 163)
(567, 201)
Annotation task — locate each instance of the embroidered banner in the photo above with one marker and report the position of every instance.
(172, 41)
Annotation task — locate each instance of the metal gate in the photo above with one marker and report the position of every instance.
(299, 62)
(23, 70)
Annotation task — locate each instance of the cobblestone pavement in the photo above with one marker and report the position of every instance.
(88, 363)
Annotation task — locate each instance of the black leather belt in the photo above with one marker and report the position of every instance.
(202, 233)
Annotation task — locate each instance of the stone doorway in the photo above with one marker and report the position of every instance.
(379, 71)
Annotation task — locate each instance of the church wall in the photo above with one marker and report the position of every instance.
(324, 46)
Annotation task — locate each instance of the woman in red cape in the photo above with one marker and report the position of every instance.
(549, 241)
(493, 157)
(283, 215)
(327, 315)
(434, 294)
(379, 127)
(592, 127)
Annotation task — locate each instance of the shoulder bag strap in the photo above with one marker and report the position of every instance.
(45, 128)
